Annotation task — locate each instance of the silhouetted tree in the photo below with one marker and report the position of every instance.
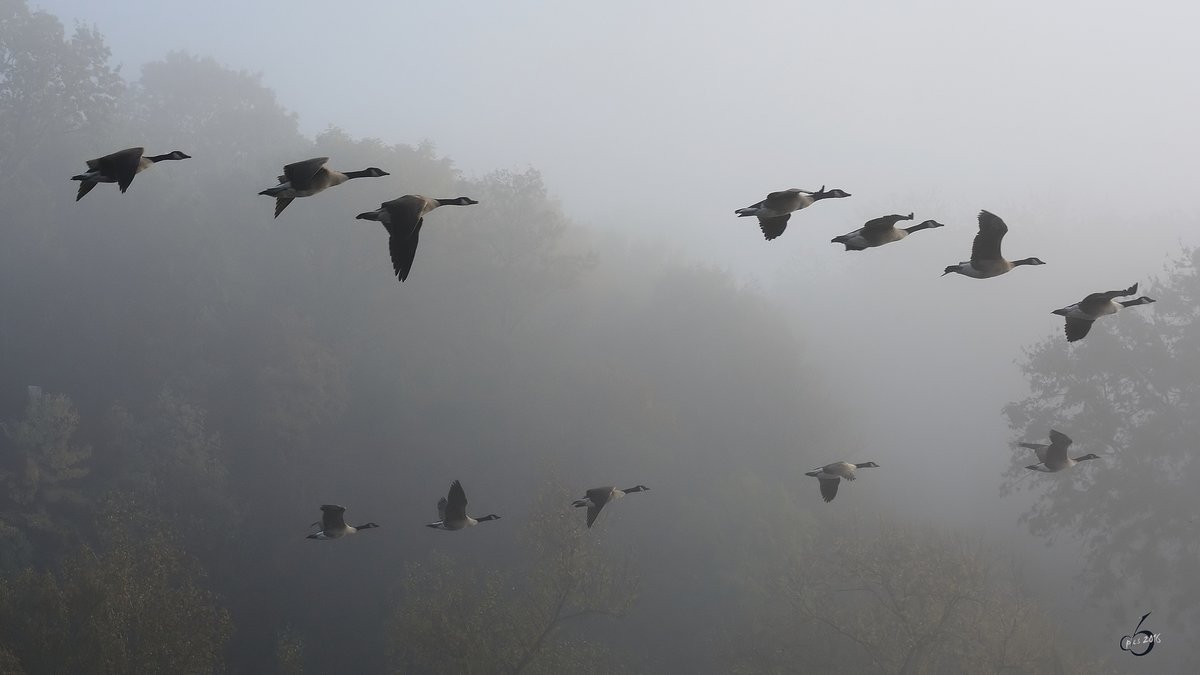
(164, 454)
(50, 86)
(41, 467)
(133, 606)
(891, 598)
(457, 618)
(1129, 392)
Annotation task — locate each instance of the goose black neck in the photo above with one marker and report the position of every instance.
(1139, 301)
(358, 174)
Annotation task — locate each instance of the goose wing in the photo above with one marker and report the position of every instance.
(405, 213)
(281, 203)
(773, 227)
(987, 242)
(600, 495)
(332, 517)
(883, 223)
(456, 503)
(442, 509)
(301, 174)
(783, 198)
(829, 488)
(1057, 452)
(1093, 303)
(843, 469)
(592, 512)
(1077, 329)
(1039, 448)
(404, 251)
(121, 166)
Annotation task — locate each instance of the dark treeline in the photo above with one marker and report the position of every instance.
(1131, 394)
(183, 380)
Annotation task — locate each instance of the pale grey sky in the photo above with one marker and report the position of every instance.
(662, 118)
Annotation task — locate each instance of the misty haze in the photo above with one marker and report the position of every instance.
(688, 373)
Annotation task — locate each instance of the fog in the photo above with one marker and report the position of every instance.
(211, 376)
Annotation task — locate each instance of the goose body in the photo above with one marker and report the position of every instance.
(596, 498)
(452, 511)
(1053, 457)
(831, 475)
(774, 211)
(402, 218)
(333, 523)
(986, 260)
(307, 178)
(120, 167)
(1081, 315)
(881, 231)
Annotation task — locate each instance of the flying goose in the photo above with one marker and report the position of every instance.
(307, 178)
(1081, 314)
(596, 498)
(774, 211)
(1053, 457)
(986, 260)
(402, 218)
(452, 511)
(832, 474)
(333, 523)
(881, 231)
(120, 168)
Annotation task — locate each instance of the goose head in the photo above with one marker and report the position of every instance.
(490, 516)
(373, 172)
(365, 526)
(1087, 456)
(867, 465)
(1028, 261)
(460, 201)
(174, 154)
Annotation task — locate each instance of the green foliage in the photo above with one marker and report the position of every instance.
(50, 85)
(41, 467)
(1130, 392)
(44, 459)
(891, 598)
(16, 551)
(289, 652)
(165, 455)
(456, 618)
(135, 606)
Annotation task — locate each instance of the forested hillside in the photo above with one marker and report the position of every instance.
(184, 380)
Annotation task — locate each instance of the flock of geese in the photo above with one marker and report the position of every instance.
(986, 262)
(403, 217)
